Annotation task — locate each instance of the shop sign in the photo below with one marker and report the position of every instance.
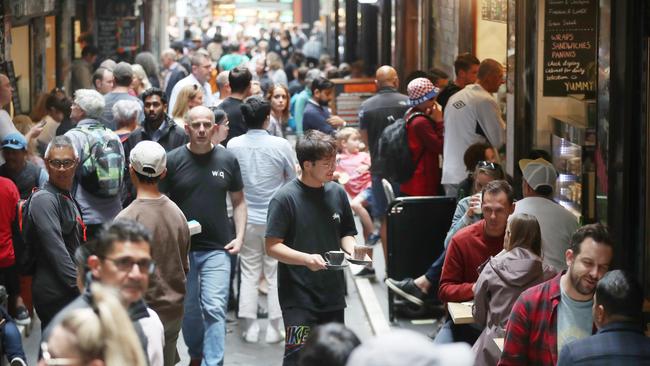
(25, 8)
(570, 47)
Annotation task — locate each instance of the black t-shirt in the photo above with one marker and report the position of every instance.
(446, 93)
(198, 184)
(310, 220)
(237, 125)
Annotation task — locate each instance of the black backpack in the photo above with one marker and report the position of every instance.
(394, 153)
(25, 249)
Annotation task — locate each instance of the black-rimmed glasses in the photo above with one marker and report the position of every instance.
(126, 264)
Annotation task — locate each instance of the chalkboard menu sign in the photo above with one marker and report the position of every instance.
(118, 36)
(570, 46)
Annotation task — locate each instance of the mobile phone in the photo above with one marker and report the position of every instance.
(42, 123)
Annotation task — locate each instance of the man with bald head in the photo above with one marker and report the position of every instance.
(199, 175)
(375, 114)
(472, 115)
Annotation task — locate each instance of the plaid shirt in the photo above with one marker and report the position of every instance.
(531, 333)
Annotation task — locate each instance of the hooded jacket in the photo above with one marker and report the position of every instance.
(503, 278)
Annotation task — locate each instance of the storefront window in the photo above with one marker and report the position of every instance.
(602, 153)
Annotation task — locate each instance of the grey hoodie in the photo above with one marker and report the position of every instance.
(502, 279)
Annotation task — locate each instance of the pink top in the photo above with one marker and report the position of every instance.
(349, 163)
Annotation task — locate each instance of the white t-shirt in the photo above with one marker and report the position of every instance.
(471, 107)
(6, 127)
(153, 329)
(557, 225)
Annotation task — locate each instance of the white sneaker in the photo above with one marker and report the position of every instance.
(273, 335)
(252, 334)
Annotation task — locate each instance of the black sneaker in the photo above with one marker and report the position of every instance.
(365, 272)
(22, 316)
(407, 289)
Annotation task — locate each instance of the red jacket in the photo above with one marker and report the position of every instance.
(468, 249)
(531, 333)
(425, 139)
(8, 199)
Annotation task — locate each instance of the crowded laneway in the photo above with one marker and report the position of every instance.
(315, 182)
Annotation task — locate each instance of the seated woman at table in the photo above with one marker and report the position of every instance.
(466, 213)
(503, 278)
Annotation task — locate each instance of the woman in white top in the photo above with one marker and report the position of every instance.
(278, 96)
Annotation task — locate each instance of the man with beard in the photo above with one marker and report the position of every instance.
(317, 114)
(557, 312)
(157, 127)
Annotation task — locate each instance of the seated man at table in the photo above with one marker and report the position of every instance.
(468, 249)
(617, 313)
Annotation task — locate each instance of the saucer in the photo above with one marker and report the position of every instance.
(359, 261)
(337, 267)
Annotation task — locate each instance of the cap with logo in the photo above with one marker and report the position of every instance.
(14, 141)
(148, 158)
(538, 173)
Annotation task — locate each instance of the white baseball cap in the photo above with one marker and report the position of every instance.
(148, 158)
(538, 173)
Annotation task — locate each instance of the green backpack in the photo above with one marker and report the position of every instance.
(102, 168)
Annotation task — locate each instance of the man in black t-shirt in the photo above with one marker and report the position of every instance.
(306, 218)
(240, 86)
(199, 175)
(466, 70)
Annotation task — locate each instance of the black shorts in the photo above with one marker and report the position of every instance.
(298, 324)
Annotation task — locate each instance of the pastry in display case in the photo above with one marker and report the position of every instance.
(572, 153)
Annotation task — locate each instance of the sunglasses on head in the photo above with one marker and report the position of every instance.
(488, 165)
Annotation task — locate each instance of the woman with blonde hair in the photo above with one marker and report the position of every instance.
(99, 335)
(31, 131)
(278, 96)
(189, 97)
(503, 278)
(140, 81)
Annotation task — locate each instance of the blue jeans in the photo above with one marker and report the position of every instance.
(206, 301)
(450, 333)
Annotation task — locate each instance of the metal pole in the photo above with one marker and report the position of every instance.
(337, 31)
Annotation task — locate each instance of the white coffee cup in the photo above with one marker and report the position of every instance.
(477, 209)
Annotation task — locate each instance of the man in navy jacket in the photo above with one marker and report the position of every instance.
(617, 313)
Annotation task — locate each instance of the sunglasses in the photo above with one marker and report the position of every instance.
(58, 164)
(126, 264)
(488, 165)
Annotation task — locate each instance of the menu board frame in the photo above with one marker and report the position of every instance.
(358, 90)
(114, 43)
(570, 47)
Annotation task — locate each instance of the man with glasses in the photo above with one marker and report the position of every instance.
(52, 225)
(556, 223)
(121, 258)
(308, 217)
(199, 175)
(170, 239)
(472, 115)
(201, 69)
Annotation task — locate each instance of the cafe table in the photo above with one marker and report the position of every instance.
(461, 312)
